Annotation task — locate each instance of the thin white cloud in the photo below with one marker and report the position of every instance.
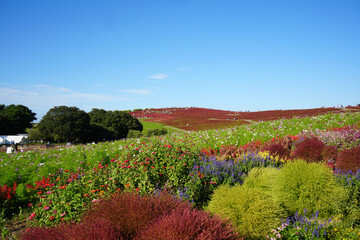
(184, 69)
(159, 76)
(45, 97)
(138, 91)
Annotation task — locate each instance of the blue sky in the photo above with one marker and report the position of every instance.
(221, 54)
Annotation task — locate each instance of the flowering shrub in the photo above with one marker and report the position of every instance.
(209, 173)
(341, 138)
(351, 205)
(300, 227)
(7, 193)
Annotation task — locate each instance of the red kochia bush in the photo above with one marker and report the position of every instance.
(329, 154)
(186, 224)
(129, 212)
(309, 149)
(349, 159)
(39, 233)
(277, 149)
(101, 229)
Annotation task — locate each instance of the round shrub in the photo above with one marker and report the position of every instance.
(261, 178)
(277, 149)
(42, 233)
(186, 224)
(101, 229)
(309, 149)
(254, 213)
(129, 212)
(329, 154)
(349, 159)
(300, 185)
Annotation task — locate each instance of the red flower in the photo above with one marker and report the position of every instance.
(52, 217)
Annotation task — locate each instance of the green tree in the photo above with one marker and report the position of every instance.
(64, 123)
(117, 122)
(15, 119)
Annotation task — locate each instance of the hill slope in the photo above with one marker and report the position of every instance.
(195, 119)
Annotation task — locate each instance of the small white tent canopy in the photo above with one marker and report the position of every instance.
(21, 138)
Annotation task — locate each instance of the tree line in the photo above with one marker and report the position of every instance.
(70, 124)
(15, 119)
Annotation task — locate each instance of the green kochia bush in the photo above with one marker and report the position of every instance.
(262, 179)
(312, 186)
(253, 212)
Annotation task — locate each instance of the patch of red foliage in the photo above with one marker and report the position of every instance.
(202, 118)
(130, 216)
(187, 223)
(349, 159)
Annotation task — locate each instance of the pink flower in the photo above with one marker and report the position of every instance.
(95, 200)
(63, 214)
(46, 208)
(32, 216)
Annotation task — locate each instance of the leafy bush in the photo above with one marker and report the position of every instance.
(101, 229)
(129, 212)
(309, 149)
(156, 132)
(261, 178)
(300, 185)
(277, 149)
(349, 159)
(208, 173)
(134, 134)
(253, 212)
(300, 227)
(351, 205)
(186, 224)
(329, 154)
(342, 138)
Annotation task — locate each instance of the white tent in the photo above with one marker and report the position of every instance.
(16, 139)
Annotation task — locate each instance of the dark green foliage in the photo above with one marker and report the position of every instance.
(156, 132)
(253, 212)
(100, 133)
(349, 159)
(300, 185)
(309, 149)
(64, 123)
(134, 134)
(34, 134)
(15, 119)
(117, 122)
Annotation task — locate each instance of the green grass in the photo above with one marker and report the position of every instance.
(152, 125)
